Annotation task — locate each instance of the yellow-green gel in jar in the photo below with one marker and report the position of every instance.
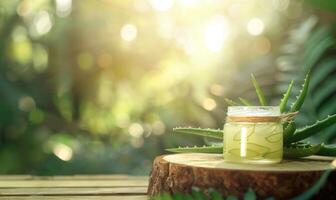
(253, 135)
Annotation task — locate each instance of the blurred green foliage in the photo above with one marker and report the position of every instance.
(96, 86)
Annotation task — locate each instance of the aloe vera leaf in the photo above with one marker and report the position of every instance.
(325, 68)
(178, 196)
(301, 97)
(328, 107)
(309, 194)
(259, 92)
(315, 39)
(325, 90)
(213, 133)
(164, 196)
(327, 150)
(329, 134)
(300, 151)
(250, 195)
(198, 194)
(245, 102)
(318, 50)
(195, 149)
(288, 132)
(231, 102)
(215, 195)
(232, 198)
(308, 131)
(284, 100)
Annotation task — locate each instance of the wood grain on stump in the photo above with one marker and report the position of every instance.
(180, 172)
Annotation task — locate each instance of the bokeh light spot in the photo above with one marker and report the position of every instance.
(129, 32)
(43, 23)
(217, 90)
(24, 8)
(209, 104)
(255, 26)
(40, 58)
(63, 152)
(63, 7)
(26, 103)
(136, 130)
(22, 47)
(158, 128)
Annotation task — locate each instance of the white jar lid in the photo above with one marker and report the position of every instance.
(241, 111)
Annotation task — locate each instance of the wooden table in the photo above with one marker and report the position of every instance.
(22, 187)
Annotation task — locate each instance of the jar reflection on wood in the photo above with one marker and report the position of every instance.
(253, 134)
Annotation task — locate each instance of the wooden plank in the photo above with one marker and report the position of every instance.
(73, 191)
(71, 183)
(73, 177)
(99, 177)
(132, 197)
(15, 177)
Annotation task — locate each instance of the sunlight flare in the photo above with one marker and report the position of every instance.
(161, 5)
(216, 32)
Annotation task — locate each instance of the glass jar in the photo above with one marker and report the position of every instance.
(253, 134)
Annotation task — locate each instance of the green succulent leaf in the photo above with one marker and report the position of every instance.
(259, 92)
(198, 194)
(323, 44)
(326, 89)
(327, 150)
(309, 194)
(298, 151)
(232, 198)
(289, 131)
(215, 195)
(285, 98)
(179, 196)
(308, 131)
(163, 196)
(212, 133)
(250, 195)
(325, 68)
(245, 102)
(328, 107)
(300, 99)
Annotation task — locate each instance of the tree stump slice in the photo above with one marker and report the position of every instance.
(179, 173)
